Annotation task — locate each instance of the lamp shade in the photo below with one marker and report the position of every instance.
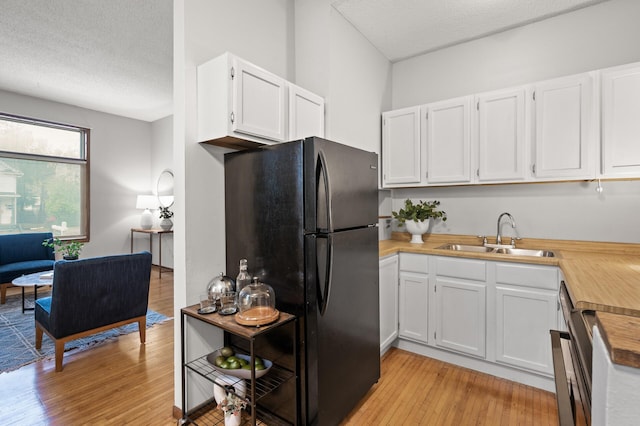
(147, 202)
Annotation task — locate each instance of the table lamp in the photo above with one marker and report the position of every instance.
(146, 203)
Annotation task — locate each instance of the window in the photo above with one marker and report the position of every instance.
(44, 178)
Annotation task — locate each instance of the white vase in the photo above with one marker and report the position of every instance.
(416, 229)
(166, 224)
(220, 393)
(232, 420)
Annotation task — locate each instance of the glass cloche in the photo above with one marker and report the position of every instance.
(219, 285)
(257, 304)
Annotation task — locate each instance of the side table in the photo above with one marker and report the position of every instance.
(151, 233)
(35, 280)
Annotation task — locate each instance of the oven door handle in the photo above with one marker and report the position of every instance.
(563, 396)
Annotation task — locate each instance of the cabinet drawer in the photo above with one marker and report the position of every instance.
(461, 268)
(412, 262)
(527, 275)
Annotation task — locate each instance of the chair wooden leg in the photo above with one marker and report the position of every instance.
(59, 354)
(142, 328)
(3, 293)
(38, 336)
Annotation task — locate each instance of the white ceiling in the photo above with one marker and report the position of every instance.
(113, 56)
(116, 56)
(401, 29)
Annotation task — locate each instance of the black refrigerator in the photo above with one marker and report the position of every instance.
(304, 214)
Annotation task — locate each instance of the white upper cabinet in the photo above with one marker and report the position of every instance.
(238, 100)
(306, 113)
(401, 147)
(564, 128)
(501, 137)
(621, 121)
(577, 127)
(259, 101)
(241, 105)
(448, 141)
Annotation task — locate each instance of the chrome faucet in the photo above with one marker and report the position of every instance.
(513, 225)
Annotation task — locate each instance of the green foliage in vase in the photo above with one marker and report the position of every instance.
(165, 213)
(419, 212)
(65, 248)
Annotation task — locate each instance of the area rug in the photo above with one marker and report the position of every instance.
(17, 334)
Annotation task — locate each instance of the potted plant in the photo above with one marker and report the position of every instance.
(232, 406)
(70, 250)
(165, 218)
(417, 217)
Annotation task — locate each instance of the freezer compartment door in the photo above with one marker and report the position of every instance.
(341, 186)
(343, 347)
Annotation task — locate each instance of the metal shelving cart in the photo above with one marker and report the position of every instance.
(207, 413)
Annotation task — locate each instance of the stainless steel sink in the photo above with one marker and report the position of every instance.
(464, 247)
(509, 251)
(525, 252)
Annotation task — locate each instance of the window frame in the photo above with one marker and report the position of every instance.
(85, 176)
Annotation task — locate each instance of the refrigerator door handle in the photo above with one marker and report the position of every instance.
(322, 170)
(325, 291)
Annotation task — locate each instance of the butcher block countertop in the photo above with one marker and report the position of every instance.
(603, 277)
(621, 335)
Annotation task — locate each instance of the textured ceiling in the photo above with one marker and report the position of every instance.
(116, 56)
(404, 28)
(113, 56)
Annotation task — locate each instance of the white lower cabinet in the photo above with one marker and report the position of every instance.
(414, 297)
(526, 309)
(495, 315)
(388, 301)
(524, 318)
(461, 316)
(414, 303)
(460, 305)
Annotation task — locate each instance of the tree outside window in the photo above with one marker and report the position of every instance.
(43, 177)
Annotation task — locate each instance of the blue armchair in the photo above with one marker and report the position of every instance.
(92, 295)
(22, 254)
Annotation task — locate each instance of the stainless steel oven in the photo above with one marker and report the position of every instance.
(572, 352)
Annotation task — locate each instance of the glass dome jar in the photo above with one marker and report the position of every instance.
(257, 304)
(219, 285)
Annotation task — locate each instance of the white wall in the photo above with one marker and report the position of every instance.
(161, 158)
(334, 60)
(119, 168)
(260, 32)
(591, 38)
(265, 33)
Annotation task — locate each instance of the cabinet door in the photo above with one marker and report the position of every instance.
(388, 301)
(563, 130)
(259, 103)
(414, 298)
(461, 316)
(306, 113)
(621, 121)
(401, 146)
(523, 319)
(500, 118)
(449, 141)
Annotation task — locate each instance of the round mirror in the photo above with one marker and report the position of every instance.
(165, 188)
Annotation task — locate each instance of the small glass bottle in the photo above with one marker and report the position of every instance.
(243, 276)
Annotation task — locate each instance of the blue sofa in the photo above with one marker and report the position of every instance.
(92, 295)
(22, 254)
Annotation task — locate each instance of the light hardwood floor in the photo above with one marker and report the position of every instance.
(117, 383)
(125, 383)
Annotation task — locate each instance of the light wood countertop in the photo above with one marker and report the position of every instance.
(621, 335)
(603, 277)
